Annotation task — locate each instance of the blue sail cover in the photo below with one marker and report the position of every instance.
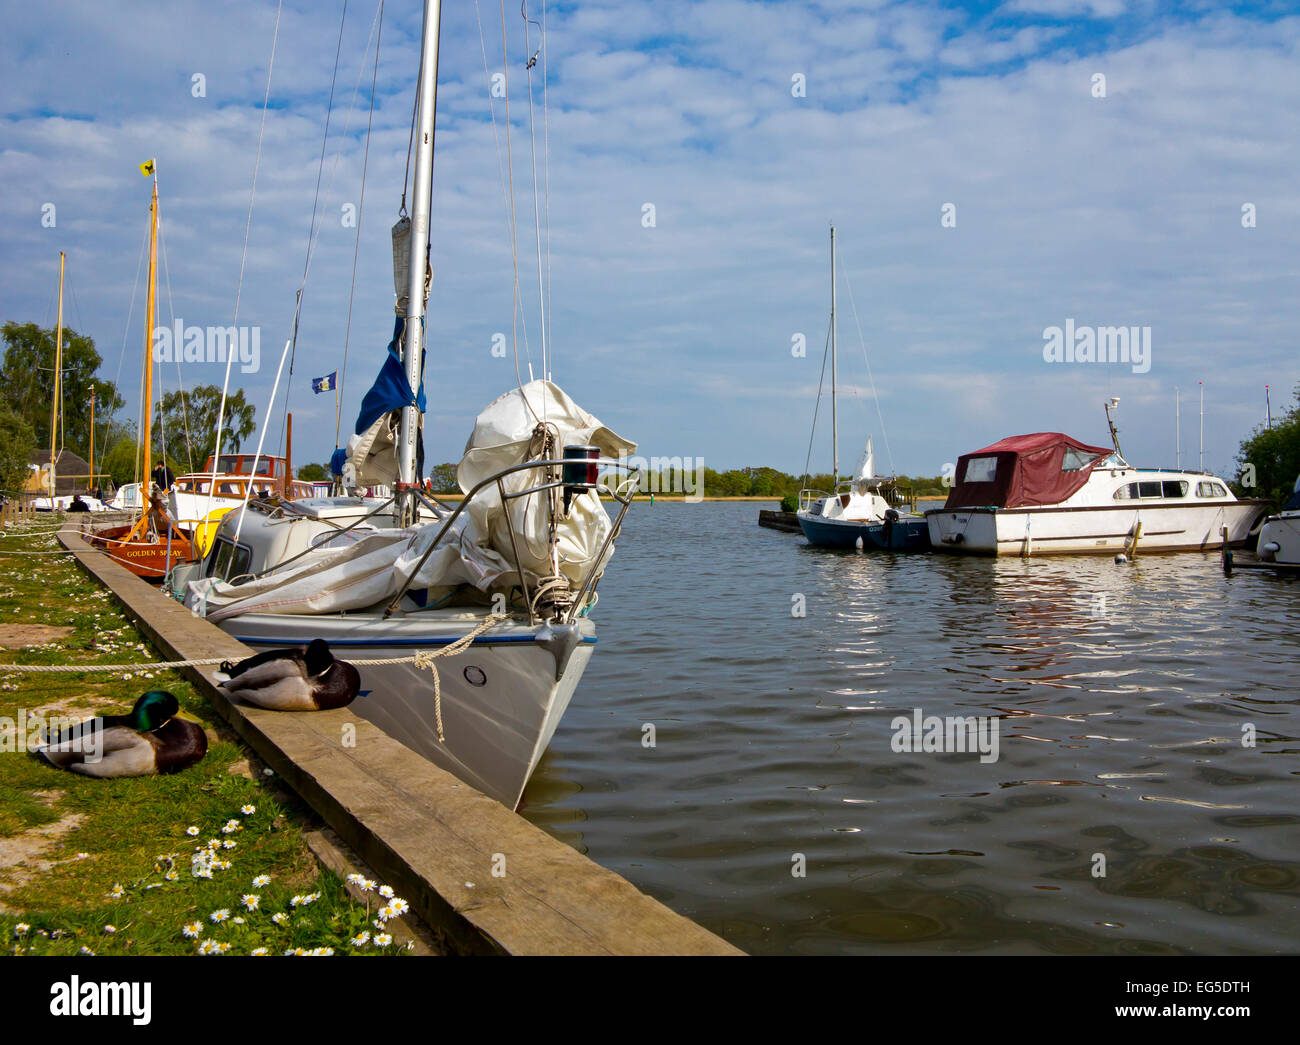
(337, 460)
(391, 391)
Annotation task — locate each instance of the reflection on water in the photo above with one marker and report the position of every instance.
(1121, 694)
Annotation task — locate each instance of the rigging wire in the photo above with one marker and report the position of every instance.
(816, 409)
(180, 383)
(314, 234)
(252, 193)
(365, 162)
(862, 341)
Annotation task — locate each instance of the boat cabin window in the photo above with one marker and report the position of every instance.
(228, 463)
(1152, 488)
(1077, 460)
(980, 470)
(1210, 490)
(227, 560)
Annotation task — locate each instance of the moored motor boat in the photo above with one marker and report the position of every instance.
(1047, 493)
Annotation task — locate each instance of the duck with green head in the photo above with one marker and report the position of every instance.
(151, 739)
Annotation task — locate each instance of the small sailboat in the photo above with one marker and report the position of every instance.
(152, 545)
(865, 511)
(1048, 494)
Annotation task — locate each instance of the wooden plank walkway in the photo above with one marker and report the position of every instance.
(433, 838)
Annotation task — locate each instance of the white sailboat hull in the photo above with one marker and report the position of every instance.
(1279, 540)
(502, 697)
(1090, 530)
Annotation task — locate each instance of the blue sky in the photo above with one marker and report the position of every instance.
(1116, 210)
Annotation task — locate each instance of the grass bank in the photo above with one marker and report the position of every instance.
(211, 860)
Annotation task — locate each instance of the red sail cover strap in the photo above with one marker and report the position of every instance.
(1029, 471)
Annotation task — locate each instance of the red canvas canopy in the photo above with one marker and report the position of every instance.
(1024, 470)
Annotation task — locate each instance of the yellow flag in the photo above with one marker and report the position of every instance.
(146, 168)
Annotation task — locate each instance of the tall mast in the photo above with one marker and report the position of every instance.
(58, 383)
(146, 422)
(91, 483)
(404, 505)
(1178, 429)
(835, 421)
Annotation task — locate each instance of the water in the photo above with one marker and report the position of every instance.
(1120, 734)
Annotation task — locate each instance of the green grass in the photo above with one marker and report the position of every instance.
(101, 853)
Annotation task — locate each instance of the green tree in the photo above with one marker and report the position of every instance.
(1271, 456)
(17, 441)
(444, 479)
(313, 473)
(27, 383)
(196, 413)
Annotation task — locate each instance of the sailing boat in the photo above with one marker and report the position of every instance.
(862, 511)
(152, 545)
(481, 612)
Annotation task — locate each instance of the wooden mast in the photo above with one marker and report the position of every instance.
(58, 385)
(146, 422)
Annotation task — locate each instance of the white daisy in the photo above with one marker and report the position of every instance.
(219, 915)
(382, 939)
(250, 901)
(192, 930)
(361, 939)
(386, 891)
(261, 880)
(191, 831)
(248, 810)
(258, 952)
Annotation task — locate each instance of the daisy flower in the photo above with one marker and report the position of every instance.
(320, 952)
(386, 891)
(228, 844)
(250, 901)
(355, 879)
(192, 831)
(22, 929)
(213, 947)
(398, 906)
(382, 939)
(258, 952)
(110, 929)
(261, 880)
(231, 826)
(294, 952)
(248, 810)
(86, 950)
(116, 893)
(219, 915)
(171, 876)
(192, 930)
(280, 919)
(361, 939)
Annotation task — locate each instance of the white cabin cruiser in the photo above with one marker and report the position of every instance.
(1046, 494)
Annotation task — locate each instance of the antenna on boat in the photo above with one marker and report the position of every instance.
(1201, 461)
(835, 425)
(1113, 404)
(1178, 430)
(1268, 410)
(404, 504)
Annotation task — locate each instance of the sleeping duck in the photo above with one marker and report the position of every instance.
(299, 679)
(151, 739)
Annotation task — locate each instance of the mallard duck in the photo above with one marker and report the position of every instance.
(298, 679)
(151, 739)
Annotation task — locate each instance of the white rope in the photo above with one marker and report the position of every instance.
(421, 659)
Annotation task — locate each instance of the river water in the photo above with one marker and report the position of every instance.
(1126, 811)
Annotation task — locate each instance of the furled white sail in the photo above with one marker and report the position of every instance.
(867, 462)
(477, 550)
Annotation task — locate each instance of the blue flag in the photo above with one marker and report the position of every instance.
(324, 384)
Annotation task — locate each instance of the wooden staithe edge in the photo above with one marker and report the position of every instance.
(431, 837)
